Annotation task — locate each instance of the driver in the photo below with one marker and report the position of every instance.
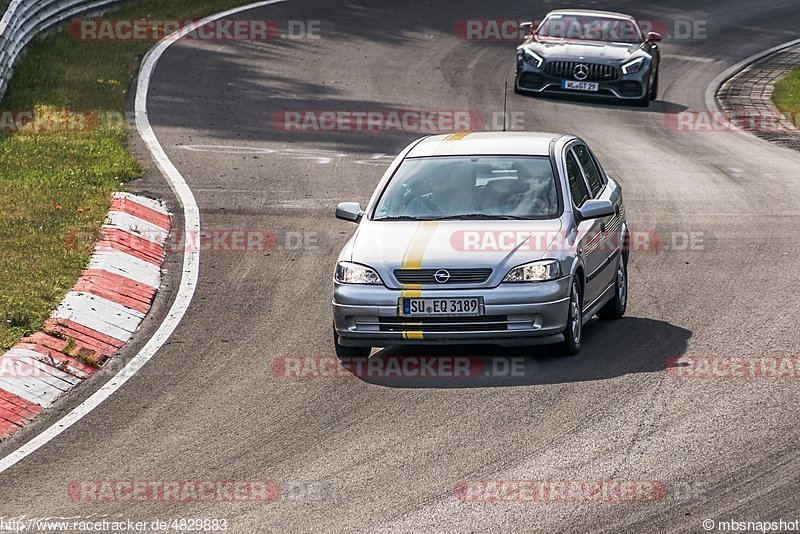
(451, 193)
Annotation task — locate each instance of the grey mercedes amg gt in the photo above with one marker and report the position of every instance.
(597, 53)
(505, 238)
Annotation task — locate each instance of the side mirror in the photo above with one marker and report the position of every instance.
(594, 209)
(349, 211)
(526, 27)
(653, 36)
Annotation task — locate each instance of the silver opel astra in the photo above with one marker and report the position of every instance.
(509, 238)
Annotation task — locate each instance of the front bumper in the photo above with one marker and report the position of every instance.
(514, 314)
(530, 79)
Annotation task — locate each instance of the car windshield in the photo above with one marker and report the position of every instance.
(590, 28)
(476, 187)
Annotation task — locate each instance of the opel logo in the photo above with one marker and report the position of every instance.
(581, 71)
(441, 276)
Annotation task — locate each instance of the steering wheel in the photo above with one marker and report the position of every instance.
(431, 206)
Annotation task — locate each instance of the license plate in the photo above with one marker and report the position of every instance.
(580, 86)
(448, 307)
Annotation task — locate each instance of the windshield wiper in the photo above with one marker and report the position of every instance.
(402, 218)
(478, 216)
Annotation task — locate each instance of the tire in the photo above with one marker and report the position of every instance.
(642, 102)
(516, 89)
(573, 333)
(345, 352)
(615, 308)
(645, 100)
(654, 88)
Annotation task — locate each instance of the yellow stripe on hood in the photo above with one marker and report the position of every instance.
(413, 260)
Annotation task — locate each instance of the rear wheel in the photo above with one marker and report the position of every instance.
(615, 308)
(573, 333)
(344, 352)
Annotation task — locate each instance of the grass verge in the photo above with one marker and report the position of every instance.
(55, 188)
(787, 94)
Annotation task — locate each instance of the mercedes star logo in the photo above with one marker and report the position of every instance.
(581, 71)
(441, 276)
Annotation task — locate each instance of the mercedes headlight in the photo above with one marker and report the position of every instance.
(536, 271)
(353, 273)
(533, 58)
(633, 66)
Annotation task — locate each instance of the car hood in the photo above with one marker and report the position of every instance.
(499, 245)
(582, 50)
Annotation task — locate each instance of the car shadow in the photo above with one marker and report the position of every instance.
(656, 106)
(610, 349)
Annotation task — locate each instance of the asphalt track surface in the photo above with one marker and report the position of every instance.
(388, 452)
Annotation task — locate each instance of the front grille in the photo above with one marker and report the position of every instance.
(566, 70)
(486, 323)
(457, 276)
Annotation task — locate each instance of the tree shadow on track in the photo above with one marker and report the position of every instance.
(235, 102)
(610, 350)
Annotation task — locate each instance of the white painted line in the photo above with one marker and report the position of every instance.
(154, 205)
(117, 262)
(136, 226)
(191, 258)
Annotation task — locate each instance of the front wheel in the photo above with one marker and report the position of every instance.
(615, 308)
(573, 333)
(645, 100)
(345, 352)
(654, 87)
(642, 102)
(516, 89)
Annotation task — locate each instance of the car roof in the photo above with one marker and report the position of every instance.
(485, 144)
(596, 12)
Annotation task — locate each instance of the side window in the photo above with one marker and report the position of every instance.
(590, 169)
(576, 184)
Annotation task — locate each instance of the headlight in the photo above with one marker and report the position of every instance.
(633, 66)
(537, 271)
(533, 58)
(353, 273)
